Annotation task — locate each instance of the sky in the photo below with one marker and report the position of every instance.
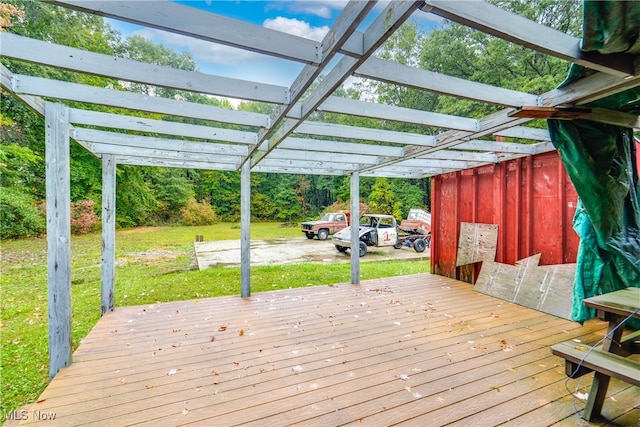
(311, 19)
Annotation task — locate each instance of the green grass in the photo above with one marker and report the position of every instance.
(153, 264)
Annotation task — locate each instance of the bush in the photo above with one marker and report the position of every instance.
(19, 216)
(197, 213)
(83, 217)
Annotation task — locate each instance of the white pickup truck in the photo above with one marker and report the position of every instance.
(374, 230)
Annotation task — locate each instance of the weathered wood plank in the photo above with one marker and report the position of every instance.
(323, 355)
(58, 193)
(108, 268)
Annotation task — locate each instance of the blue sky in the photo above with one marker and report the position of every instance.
(304, 18)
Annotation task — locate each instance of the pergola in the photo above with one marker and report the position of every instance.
(286, 141)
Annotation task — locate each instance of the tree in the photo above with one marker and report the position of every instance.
(382, 199)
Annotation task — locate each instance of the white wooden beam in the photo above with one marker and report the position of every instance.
(362, 133)
(48, 88)
(139, 161)
(354, 107)
(58, 196)
(517, 29)
(495, 146)
(298, 170)
(403, 75)
(68, 58)
(325, 146)
(139, 124)
(309, 165)
(245, 230)
(522, 132)
(354, 195)
(402, 173)
(187, 21)
(108, 270)
(123, 151)
(128, 140)
(432, 163)
(7, 82)
(317, 156)
(461, 155)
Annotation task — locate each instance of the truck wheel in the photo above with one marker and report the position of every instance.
(398, 245)
(309, 235)
(419, 245)
(363, 249)
(341, 248)
(323, 234)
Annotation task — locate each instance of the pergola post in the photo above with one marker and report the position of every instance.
(355, 228)
(108, 233)
(245, 229)
(58, 190)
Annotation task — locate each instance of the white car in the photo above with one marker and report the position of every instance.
(374, 230)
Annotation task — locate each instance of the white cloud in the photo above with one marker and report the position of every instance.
(296, 27)
(320, 8)
(201, 50)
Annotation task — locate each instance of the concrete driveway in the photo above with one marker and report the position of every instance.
(291, 251)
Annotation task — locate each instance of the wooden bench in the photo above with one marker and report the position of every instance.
(609, 364)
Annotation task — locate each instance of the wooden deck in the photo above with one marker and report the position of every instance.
(415, 350)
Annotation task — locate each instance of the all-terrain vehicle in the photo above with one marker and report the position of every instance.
(374, 230)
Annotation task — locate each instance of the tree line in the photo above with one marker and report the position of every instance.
(157, 195)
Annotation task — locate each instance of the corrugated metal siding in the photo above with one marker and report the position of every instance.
(531, 199)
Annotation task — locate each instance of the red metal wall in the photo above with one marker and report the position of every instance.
(531, 199)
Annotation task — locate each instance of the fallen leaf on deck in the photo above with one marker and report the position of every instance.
(297, 369)
(505, 346)
(172, 372)
(122, 380)
(404, 377)
(40, 400)
(581, 348)
(494, 388)
(222, 328)
(185, 411)
(213, 339)
(439, 399)
(417, 395)
(148, 386)
(241, 333)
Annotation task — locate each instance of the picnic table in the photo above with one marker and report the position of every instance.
(611, 358)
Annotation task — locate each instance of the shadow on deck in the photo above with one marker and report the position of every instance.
(413, 350)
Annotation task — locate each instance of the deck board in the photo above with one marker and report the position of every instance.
(413, 350)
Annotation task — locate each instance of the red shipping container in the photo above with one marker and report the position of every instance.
(531, 199)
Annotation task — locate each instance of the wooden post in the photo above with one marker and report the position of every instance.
(108, 232)
(58, 190)
(355, 223)
(245, 229)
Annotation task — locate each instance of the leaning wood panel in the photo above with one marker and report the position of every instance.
(531, 200)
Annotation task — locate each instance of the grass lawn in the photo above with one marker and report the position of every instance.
(154, 264)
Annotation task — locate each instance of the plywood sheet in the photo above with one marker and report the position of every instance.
(477, 243)
(546, 288)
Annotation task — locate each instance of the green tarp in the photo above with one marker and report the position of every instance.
(601, 162)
